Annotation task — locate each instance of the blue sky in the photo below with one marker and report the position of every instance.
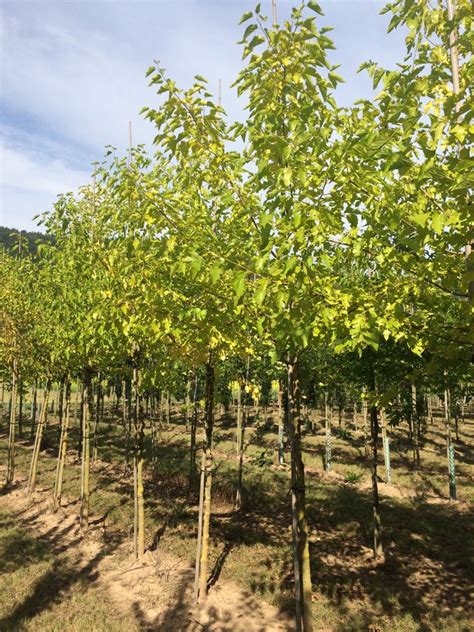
(72, 76)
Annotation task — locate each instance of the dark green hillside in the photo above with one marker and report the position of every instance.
(9, 238)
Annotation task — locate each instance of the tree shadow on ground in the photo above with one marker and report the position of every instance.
(19, 549)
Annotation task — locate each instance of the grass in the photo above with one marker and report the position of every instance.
(42, 588)
(422, 586)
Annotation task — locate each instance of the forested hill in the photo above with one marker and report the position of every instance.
(9, 238)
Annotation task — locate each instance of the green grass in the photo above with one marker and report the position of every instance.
(423, 585)
(42, 589)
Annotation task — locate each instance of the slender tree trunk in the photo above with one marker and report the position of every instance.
(20, 409)
(281, 425)
(429, 407)
(81, 423)
(124, 406)
(374, 429)
(301, 559)
(61, 405)
(58, 484)
(328, 444)
(34, 409)
(11, 434)
(138, 458)
(38, 439)
(87, 406)
(199, 534)
(365, 417)
(238, 430)
(2, 400)
(205, 501)
(241, 436)
(449, 447)
(386, 448)
(76, 404)
(415, 427)
(97, 417)
(187, 404)
(192, 445)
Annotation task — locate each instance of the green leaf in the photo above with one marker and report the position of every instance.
(239, 284)
(334, 78)
(287, 173)
(246, 16)
(314, 6)
(249, 30)
(438, 222)
(420, 219)
(256, 41)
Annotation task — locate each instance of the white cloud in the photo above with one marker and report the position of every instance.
(31, 180)
(72, 76)
(43, 174)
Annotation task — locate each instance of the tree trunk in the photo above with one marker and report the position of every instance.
(374, 430)
(168, 412)
(415, 427)
(86, 445)
(58, 484)
(449, 447)
(97, 417)
(205, 500)
(429, 406)
(187, 404)
(281, 424)
(328, 442)
(2, 400)
(138, 458)
(192, 445)
(20, 409)
(38, 439)
(34, 409)
(199, 535)
(386, 448)
(365, 416)
(301, 559)
(11, 433)
(243, 406)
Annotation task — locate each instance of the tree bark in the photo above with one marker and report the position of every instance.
(58, 484)
(415, 427)
(206, 487)
(374, 430)
(301, 558)
(34, 409)
(192, 443)
(242, 418)
(138, 458)
(11, 431)
(449, 447)
(38, 439)
(386, 448)
(281, 424)
(20, 409)
(328, 441)
(85, 472)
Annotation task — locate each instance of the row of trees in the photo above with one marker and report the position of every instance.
(317, 239)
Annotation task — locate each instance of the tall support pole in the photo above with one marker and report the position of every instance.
(454, 56)
(274, 13)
